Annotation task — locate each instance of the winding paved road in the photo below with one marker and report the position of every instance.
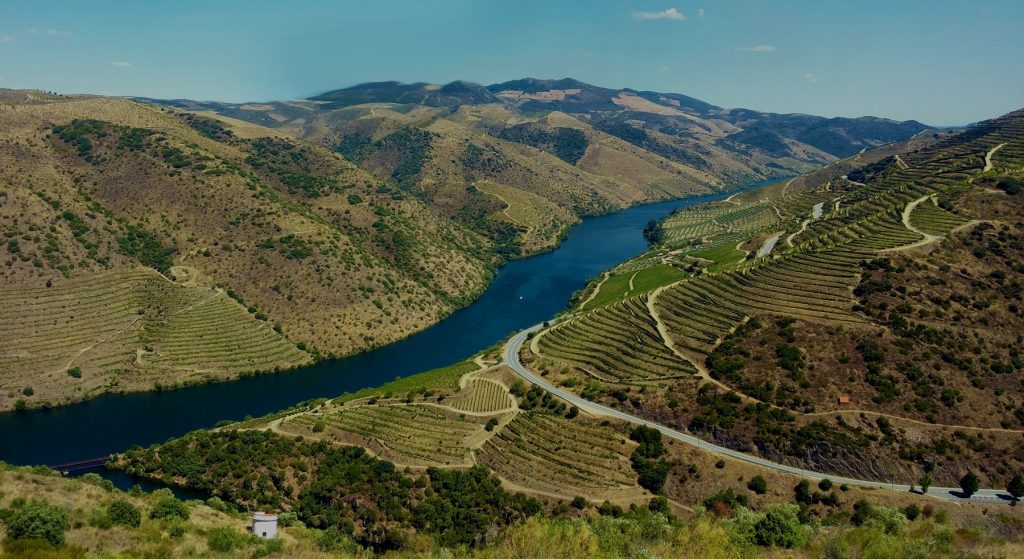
(512, 348)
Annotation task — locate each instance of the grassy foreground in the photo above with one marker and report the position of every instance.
(165, 527)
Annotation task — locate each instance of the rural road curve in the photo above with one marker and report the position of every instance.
(512, 348)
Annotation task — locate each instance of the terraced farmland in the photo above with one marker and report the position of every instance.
(719, 219)
(934, 220)
(618, 343)
(562, 457)
(216, 334)
(482, 396)
(407, 434)
(129, 329)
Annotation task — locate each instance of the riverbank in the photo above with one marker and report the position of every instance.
(523, 292)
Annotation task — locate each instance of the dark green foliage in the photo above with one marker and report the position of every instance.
(758, 485)
(723, 502)
(293, 166)
(123, 513)
(1016, 487)
(170, 507)
(74, 372)
(653, 233)
(658, 504)
(1009, 185)
(777, 529)
(862, 511)
(77, 134)
(568, 144)
(491, 424)
(209, 127)
(911, 512)
(146, 248)
(335, 488)
(651, 472)
(579, 502)
(37, 520)
(410, 146)
(969, 484)
(465, 505)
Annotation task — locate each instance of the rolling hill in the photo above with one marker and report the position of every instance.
(583, 148)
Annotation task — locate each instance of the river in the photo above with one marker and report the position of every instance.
(523, 293)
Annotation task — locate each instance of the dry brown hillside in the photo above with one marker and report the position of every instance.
(143, 247)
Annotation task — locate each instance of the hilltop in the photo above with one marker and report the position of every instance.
(551, 151)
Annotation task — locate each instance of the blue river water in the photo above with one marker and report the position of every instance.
(523, 293)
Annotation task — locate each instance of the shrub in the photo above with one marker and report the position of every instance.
(780, 527)
(658, 504)
(579, 502)
(38, 520)
(758, 485)
(287, 519)
(491, 424)
(75, 372)
(825, 484)
(224, 539)
(319, 426)
(123, 513)
(169, 507)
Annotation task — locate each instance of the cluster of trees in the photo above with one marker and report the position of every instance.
(567, 144)
(332, 488)
(651, 470)
(146, 248)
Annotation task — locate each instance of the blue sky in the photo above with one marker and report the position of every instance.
(943, 62)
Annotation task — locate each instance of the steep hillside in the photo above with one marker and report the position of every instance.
(155, 248)
(582, 148)
(863, 322)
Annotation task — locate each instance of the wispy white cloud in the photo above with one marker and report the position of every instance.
(700, 12)
(48, 32)
(121, 63)
(811, 77)
(759, 48)
(670, 13)
(6, 39)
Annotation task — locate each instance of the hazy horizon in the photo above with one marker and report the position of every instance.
(942, 63)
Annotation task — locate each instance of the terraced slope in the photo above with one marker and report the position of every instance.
(797, 329)
(619, 343)
(316, 249)
(128, 330)
(406, 434)
(563, 458)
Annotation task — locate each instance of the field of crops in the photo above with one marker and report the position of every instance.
(70, 339)
(934, 220)
(216, 334)
(560, 456)
(407, 434)
(618, 343)
(702, 222)
(482, 396)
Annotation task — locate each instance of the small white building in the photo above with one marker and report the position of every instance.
(264, 525)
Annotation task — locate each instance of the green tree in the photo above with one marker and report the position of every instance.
(925, 482)
(969, 484)
(124, 513)
(1016, 487)
(38, 520)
